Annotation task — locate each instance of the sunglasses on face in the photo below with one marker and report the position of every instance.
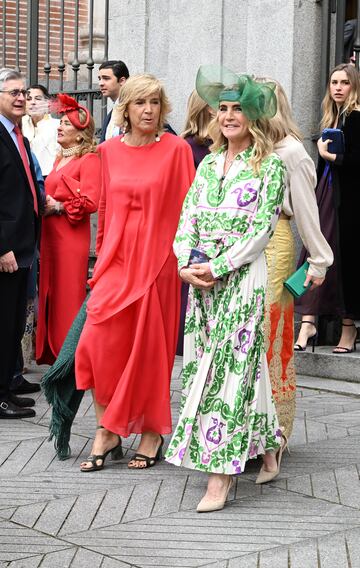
(16, 92)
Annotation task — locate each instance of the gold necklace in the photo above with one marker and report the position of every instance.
(157, 139)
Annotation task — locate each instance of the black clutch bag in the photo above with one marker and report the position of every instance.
(197, 256)
(295, 282)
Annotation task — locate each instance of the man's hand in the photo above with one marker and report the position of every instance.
(8, 262)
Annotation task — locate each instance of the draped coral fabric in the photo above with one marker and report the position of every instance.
(64, 252)
(127, 347)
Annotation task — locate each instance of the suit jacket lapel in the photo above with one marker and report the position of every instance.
(6, 138)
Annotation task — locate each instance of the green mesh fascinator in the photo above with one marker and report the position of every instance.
(215, 83)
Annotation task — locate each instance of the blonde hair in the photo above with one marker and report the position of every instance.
(198, 119)
(139, 86)
(283, 123)
(328, 105)
(88, 144)
(262, 145)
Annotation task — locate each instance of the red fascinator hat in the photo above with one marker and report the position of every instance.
(65, 104)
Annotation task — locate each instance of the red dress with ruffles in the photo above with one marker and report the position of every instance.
(64, 252)
(127, 348)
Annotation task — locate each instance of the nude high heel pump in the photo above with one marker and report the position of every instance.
(207, 505)
(266, 476)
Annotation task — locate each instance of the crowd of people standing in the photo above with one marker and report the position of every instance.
(204, 217)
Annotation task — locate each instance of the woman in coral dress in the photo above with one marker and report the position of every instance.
(72, 194)
(127, 347)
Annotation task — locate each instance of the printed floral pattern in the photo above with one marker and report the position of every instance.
(227, 414)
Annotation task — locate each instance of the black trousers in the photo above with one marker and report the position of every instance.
(13, 300)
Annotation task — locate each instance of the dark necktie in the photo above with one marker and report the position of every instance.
(25, 160)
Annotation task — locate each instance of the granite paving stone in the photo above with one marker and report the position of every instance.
(52, 515)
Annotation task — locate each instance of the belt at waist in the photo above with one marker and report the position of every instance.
(283, 216)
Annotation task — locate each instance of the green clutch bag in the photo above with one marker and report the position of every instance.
(295, 282)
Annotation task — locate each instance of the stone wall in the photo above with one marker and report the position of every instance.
(276, 38)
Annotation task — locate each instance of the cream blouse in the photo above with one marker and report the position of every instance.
(300, 203)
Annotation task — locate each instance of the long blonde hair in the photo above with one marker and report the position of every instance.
(198, 119)
(283, 123)
(328, 105)
(262, 145)
(136, 87)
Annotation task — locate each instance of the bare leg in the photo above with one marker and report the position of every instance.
(216, 494)
(348, 336)
(269, 460)
(149, 445)
(104, 439)
(307, 330)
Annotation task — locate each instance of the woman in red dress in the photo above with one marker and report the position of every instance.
(72, 194)
(127, 347)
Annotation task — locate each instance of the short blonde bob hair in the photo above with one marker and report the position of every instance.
(137, 87)
(87, 144)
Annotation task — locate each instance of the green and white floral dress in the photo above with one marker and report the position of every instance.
(227, 414)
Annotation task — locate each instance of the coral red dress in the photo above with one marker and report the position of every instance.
(127, 347)
(64, 252)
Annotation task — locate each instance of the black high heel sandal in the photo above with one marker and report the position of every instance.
(116, 454)
(313, 338)
(148, 460)
(346, 350)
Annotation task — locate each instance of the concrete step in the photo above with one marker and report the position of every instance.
(325, 363)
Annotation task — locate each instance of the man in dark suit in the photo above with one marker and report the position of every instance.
(112, 76)
(20, 205)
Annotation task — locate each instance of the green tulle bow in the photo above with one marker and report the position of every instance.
(216, 83)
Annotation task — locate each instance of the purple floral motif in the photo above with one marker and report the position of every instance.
(258, 375)
(182, 453)
(214, 434)
(199, 352)
(188, 428)
(193, 221)
(278, 433)
(205, 457)
(244, 337)
(247, 195)
(236, 465)
(253, 450)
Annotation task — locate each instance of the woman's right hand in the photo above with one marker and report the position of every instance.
(315, 282)
(188, 275)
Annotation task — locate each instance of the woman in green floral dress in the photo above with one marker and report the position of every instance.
(227, 414)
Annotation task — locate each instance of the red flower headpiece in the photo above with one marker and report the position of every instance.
(68, 105)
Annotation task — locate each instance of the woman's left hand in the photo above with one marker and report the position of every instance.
(323, 150)
(52, 206)
(315, 282)
(203, 271)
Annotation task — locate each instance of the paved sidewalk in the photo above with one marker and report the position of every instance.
(51, 515)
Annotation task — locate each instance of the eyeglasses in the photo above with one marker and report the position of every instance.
(16, 92)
